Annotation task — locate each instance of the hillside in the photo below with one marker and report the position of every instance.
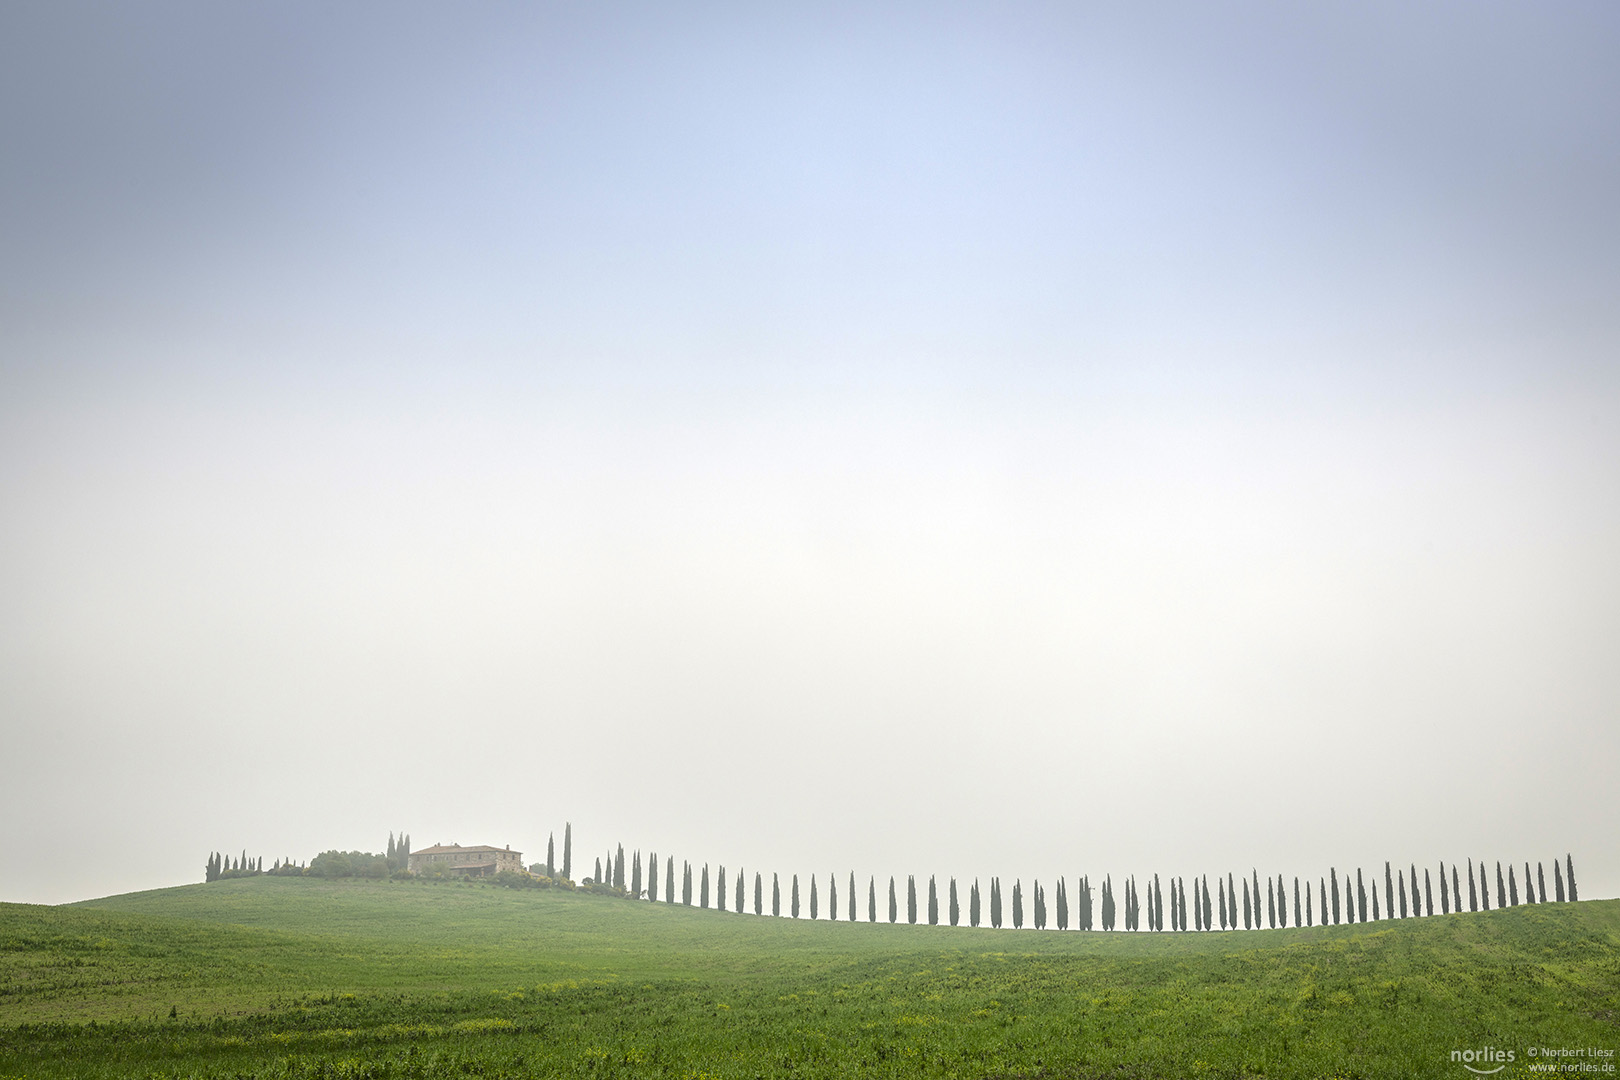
(289, 977)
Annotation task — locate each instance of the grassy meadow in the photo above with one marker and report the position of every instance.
(297, 977)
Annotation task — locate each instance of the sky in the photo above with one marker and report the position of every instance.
(943, 439)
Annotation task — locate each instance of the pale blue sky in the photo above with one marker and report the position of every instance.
(1007, 439)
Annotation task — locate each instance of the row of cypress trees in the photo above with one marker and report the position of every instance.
(1134, 907)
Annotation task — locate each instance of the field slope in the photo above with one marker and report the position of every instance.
(288, 977)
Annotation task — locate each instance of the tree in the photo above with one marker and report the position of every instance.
(1157, 922)
(1501, 888)
(871, 899)
(1207, 911)
(596, 878)
(1569, 875)
(1038, 898)
(1445, 892)
(852, 896)
(720, 888)
(1513, 887)
(669, 879)
(1221, 887)
(995, 903)
(551, 854)
(568, 850)
(1529, 885)
(1473, 893)
(832, 897)
(1484, 888)
(1401, 881)
(814, 906)
(635, 876)
(1246, 924)
(1375, 902)
(1271, 905)
(933, 902)
(1108, 902)
(686, 883)
(956, 909)
(1018, 904)
(911, 899)
(1361, 898)
(1296, 901)
(973, 905)
(1333, 874)
(759, 893)
(1541, 881)
(618, 868)
(1062, 906)
(1558, 881)
(776, 894)
(737, 901)
(894, 903)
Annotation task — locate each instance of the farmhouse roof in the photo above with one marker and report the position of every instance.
(450, 849)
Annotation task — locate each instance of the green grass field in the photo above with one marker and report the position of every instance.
(289, 977)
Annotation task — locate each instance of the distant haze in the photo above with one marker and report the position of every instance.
(1012, 439)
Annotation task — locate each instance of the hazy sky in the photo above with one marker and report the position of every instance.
(1008, 439)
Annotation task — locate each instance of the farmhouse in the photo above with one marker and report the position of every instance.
(478, 861)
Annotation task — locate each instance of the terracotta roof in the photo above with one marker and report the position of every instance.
(451, 849)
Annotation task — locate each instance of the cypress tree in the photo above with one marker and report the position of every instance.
(1062, 906)
(1541, 881)
(1473, 891)
(911, 900)
(1558, 881)
(933, 902)
(1039, 897)
(1389, 891)
(635, 876)
(1376, 916)
(1018, 904)
(720, 889)
(1501, 888)
(551, 855)
(852, 896)
(1207, 911)
(776, 895)
(1445, 892)
(1569, 875)
(1247, 924)
(956, 909)
(596, 878)
(1456, 890)
(871, 899)
(894, 903)
(1309, 919)
(1333, 873)
(1108, 902)
(618, 868)
(669, 880)
(1156, 922)
(1529, 885)
(1402, 883)
(995, 903)
(1513, 888)
(1271, 906)
(686, 883)
(832, 897)
(1361, 898)
(973, 904)
(1484, 889)
(759, 893)
(813, 905)
(1198, 907)
(738, 893)
(568, 850)
(1296, 901)
(1428, 892)
(1221, 887)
